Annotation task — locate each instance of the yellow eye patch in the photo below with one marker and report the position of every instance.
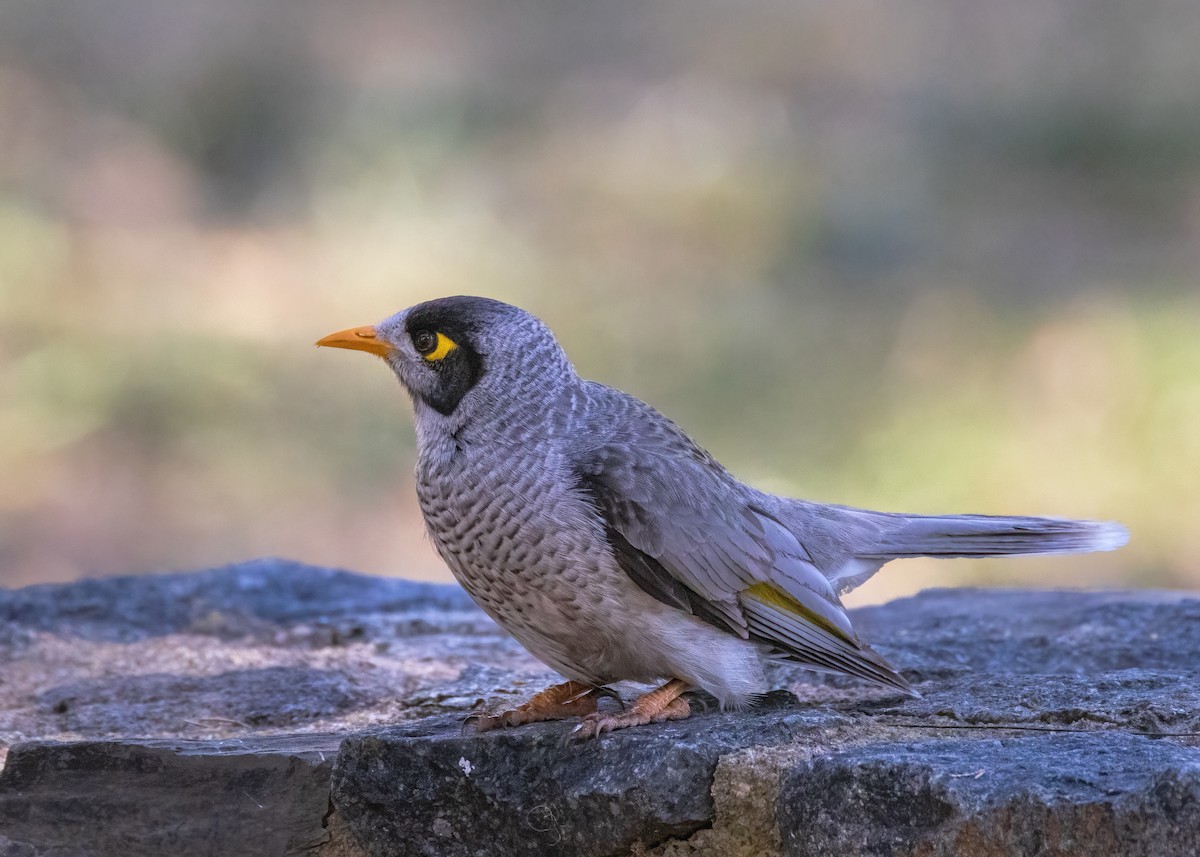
(444, 346)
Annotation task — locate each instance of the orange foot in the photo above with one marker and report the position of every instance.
(569, 699)
(656, 706)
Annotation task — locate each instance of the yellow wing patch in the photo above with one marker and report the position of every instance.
(444, 346)
(774, 596)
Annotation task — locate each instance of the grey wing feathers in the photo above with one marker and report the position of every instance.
(812, 646)
(689, 534)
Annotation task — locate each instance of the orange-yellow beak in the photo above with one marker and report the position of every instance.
(358, 339)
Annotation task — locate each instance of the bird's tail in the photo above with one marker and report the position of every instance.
(987, 535)
(849, 545)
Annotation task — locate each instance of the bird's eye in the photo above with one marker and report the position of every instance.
(424, 341)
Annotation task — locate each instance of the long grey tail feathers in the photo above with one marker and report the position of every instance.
(850, 545)
(987, 535)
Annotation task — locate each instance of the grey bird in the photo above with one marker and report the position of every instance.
(613, 547)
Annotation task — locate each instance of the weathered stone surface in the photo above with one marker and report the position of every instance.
(400, 791)
(237, 797)
(234, 599)
(227, 665)
(1129, 699)
(1053, 632)
(425, 789)
(1055, 794)
(160, 714)
(258, 648)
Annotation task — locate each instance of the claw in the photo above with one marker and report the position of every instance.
(480, 721)
(657, 706)
(698, 699)
(570, 699)
(607, 693)
(572, 737)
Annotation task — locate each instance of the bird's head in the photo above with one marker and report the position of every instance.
(463, 352)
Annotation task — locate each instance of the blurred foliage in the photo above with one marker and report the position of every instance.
(925, 258)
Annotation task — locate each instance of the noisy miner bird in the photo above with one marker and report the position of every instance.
(613, 547)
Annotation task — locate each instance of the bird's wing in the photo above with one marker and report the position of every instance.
(691, 536)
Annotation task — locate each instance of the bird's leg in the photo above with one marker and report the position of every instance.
(664, 703)
(569, 699)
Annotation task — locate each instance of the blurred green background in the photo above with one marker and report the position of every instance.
(925, 257)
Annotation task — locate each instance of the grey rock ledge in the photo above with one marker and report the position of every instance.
(273, 708)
